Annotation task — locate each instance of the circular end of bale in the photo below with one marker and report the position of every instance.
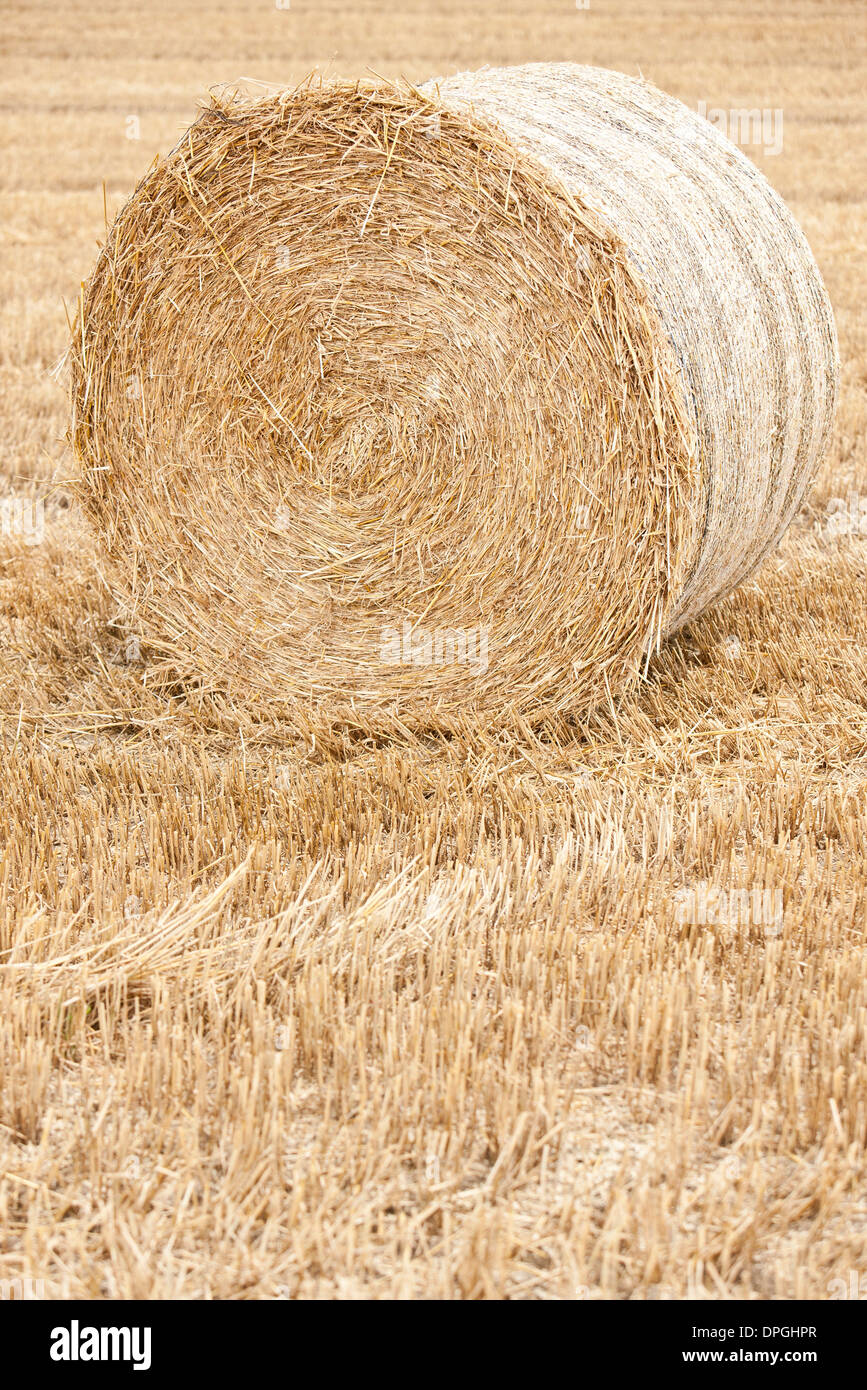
(378, 423)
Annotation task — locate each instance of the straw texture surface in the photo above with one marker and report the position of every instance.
(729, 272)
(398, 408)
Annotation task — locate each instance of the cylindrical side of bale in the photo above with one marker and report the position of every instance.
(402, 407)
(728, 271)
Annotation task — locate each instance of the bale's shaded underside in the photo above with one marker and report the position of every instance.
(397, 406)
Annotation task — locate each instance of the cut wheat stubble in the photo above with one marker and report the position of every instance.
(365, 371)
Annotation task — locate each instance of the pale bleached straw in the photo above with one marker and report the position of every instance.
(728, 271)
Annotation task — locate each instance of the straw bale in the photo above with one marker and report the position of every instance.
(397, 407)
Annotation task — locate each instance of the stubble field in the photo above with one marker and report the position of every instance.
(568, 1013)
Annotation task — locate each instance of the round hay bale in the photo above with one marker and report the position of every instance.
(397, 407)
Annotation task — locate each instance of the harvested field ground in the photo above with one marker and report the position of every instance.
(576, 1013)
